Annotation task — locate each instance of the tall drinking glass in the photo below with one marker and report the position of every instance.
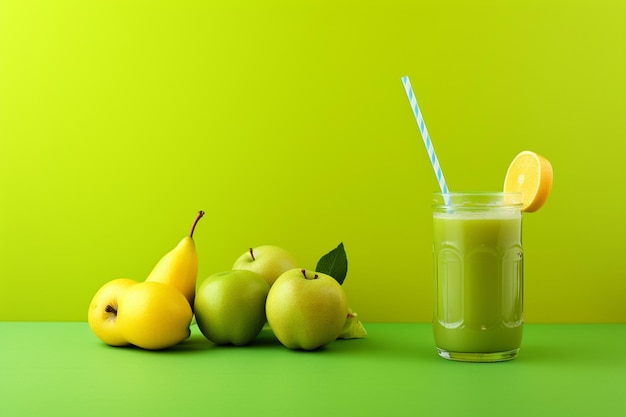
(478, 276)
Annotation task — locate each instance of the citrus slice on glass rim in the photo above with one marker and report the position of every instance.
(531, 175)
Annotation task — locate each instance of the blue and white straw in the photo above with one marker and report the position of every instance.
(427, 142)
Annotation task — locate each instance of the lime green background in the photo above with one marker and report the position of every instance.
(288, 124)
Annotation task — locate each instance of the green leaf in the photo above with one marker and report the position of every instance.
(334, 263)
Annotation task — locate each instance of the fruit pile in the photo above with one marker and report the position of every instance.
(305, 309)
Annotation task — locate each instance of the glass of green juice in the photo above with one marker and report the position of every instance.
(478, 275)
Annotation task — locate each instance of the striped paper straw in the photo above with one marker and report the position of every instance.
(427, 142)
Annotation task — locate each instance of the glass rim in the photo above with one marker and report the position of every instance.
(478, 200)
(478, 193)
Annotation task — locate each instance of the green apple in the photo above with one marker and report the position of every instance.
(230, 307)
(153, 315)
(353, 328)
(268, 260)
(305, 309)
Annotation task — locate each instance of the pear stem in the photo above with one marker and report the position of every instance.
(110, 309)
(252, 254)
(195, 222)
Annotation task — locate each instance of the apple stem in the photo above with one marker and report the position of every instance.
(304, 274)
(195, 222)
(252, 254)
(110, 309)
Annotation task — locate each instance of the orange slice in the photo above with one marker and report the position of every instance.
(531, 175)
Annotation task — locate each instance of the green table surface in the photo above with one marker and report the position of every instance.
(61, 369)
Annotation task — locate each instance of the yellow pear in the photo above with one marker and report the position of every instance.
(102, 315)
(153, 315)
(179, 267)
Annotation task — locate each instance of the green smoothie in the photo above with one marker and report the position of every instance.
(478, 277)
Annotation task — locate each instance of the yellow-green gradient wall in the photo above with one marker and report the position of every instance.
(287, 122)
